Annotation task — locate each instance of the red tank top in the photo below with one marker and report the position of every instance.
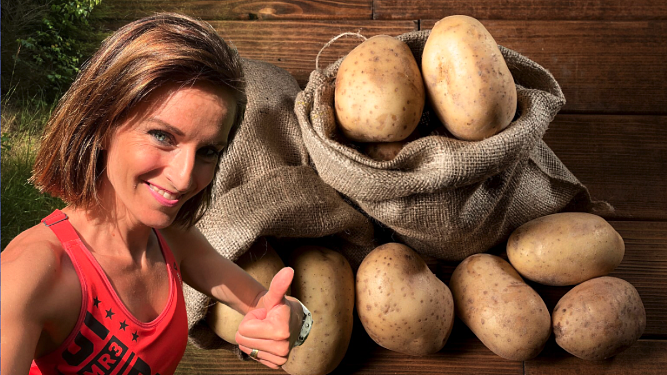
(107, 339)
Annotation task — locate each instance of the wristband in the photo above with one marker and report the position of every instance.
(306, 325)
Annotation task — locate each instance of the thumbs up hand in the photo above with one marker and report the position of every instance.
(272, 328)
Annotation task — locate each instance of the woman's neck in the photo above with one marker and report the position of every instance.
(110, 232)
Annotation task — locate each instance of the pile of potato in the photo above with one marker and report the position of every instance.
(406, 308)
(381, 91)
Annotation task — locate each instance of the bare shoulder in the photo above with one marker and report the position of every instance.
(33, 267)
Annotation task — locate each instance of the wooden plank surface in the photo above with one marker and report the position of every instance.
(288, 45)
(522, 10)
(646, 357)
(244, 9)
(621, 159)
(602, 67)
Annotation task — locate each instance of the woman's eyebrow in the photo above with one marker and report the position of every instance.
(167, 125)
(171, 128)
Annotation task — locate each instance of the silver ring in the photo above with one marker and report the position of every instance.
(253, 353)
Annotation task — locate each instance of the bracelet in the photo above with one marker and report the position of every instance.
(306, 325)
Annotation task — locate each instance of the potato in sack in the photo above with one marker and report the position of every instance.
(443, 197)
(467, 80)
(379, 91)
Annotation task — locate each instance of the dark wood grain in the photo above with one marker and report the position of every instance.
(523, 10)
(602, 67)
(463, 354)
(244, 9)
(645, 357)
(621, 159)
(294, 45)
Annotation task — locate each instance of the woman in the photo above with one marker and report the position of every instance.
(132, 149)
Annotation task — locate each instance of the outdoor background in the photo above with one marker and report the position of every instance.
(44, 42)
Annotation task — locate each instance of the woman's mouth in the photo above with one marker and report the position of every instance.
(165, 197)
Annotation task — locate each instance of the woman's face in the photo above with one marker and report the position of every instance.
(166, 152)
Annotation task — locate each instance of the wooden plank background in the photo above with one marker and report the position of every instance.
(610, 58)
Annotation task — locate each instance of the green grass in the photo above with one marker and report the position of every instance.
(22, 204)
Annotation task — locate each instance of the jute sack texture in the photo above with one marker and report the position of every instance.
(444, 197)
(266, 187)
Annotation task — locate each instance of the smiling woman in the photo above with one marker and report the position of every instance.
(132, 149)
(137, 60)
(166, 152)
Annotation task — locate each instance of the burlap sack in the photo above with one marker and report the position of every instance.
(266, 188)
(444, 197)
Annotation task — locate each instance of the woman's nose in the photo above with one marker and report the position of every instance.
(181, 168)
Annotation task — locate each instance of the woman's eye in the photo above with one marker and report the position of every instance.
(209, 153)
(161, 136)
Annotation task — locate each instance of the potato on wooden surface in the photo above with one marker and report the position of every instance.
(599, 318)
(565, 248)
(504, 312)
(324, 282)
(402, 305)
(379, 94)
(467, 81)
(262, 263)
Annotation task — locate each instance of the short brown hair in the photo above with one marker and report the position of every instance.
(129, 66)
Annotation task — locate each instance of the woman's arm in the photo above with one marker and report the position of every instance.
(212, 274)
(272, 322)
(30, 277)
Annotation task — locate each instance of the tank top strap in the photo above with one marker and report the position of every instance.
(58, 222)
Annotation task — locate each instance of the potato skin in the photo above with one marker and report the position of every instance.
(402, 305)
(262, 263)
(324, 282)
(565, 248)
(504, 312)
(599, 318)
(379, 94)
(467, 81)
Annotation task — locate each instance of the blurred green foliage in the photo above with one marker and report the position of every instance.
(44, 43)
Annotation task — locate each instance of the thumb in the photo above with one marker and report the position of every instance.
(278, 288)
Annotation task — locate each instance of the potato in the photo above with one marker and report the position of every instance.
(262, 263)
(402, 305)
(504, 312)
(383, 151)
(599, 318)
(379, 94)
(565, 248)
(324, 282)
(468, 83)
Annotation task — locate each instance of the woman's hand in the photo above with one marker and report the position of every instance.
(273, 327)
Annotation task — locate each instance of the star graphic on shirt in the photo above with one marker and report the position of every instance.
(110, 314)
(96, 302)
(123, 325)
(135, 336)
